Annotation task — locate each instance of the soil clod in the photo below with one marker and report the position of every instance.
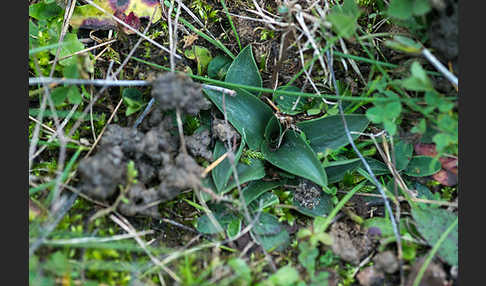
(173, 91)
(350, 242)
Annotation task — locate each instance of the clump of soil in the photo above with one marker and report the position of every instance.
(163, 171)
(198, 143)
(223, 131)
(174, 90)
(434, 275)
(371, 276)
(350, 242)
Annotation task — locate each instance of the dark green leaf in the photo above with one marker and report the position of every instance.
(223, 171)
(328, 132)
(267, 224)
(257, 188)
(432, 223)
(246, 173)
(422, 166)
(265, 200)
(277, 242)
(244, 70)
(294, 155)
(246, 113)
(403, 154)
(336, 170)
(222, 215)
(378, 167)
(133, 100)
(234, 227)
(286, 102)
(218, 67)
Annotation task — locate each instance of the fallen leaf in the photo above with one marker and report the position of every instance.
(189, 40)
(446, 178)
(449, 164)
(129, 11)
(426, 149)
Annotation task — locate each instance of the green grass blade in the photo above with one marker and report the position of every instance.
(283, 92)
(340, 205)
(231, 23)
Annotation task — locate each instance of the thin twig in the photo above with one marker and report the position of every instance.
(440, 67)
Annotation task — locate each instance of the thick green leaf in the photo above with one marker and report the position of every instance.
(246, 173)
(44, 11)
(400, 9)
(403, 154)
(132, 98)
(222, 215)
(344, 18)
(432, 223)
(265, 200)
(418, 80)
(323, 208)
(234, 227)
(378, 167)
(222, 172)
(59, 95)
(276, 242)
(422, 166)
(421, 7)
(70, 45)
(257, 188)
(286, 102)
(73, 95)
(33, 34)
(294, 155)
(244, 70)
(246, 113)
(201, 55)
(285, 276)
(71, 71)
(328, 132)
(336, 170)
(218, 67)
(267, 224)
